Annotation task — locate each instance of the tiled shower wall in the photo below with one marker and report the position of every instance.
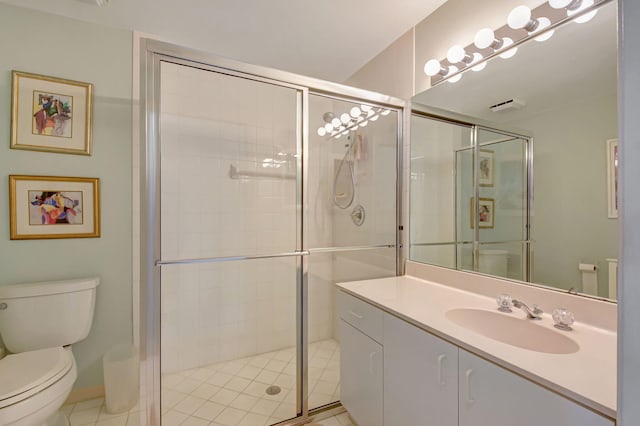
(221, 311)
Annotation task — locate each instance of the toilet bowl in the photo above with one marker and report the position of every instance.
(34, 385)
(38, 323)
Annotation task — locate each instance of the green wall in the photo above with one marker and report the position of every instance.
(51, 45)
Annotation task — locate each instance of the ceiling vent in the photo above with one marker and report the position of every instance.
(507, 105)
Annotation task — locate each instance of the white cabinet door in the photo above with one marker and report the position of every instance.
(491, 395)
(420, 377)
(360, 376)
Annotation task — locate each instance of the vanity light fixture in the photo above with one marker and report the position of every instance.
(509, 53)
(586, 17)
(520, 18)
(457, 54)
(433, 67)
(539, 24)
(486, 38)
(573, 7)
(336, 126)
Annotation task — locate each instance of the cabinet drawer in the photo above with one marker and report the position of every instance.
(361, 315)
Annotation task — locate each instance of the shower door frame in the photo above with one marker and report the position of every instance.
(152, 53)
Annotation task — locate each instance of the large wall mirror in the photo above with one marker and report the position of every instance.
(528, 190)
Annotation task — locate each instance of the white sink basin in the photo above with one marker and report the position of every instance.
(513, 329)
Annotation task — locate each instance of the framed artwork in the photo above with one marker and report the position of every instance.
(612, 178)
(51, 114)
(486, 167)
(44, 207)
(486, 212)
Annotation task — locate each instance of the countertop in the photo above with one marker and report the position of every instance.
(587, 376)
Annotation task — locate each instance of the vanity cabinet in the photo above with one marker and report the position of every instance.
(491, 395)
(361, 360)
(420, 377)
(396, 374)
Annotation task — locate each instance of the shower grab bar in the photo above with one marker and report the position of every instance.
(230, 258)
(235, 173)
(447, 243)
(351, 248)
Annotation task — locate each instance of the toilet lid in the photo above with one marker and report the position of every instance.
(25, 372)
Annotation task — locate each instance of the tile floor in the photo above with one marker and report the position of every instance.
(234, 392)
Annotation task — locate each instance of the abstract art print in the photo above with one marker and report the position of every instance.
(51, 114)
(53, 207)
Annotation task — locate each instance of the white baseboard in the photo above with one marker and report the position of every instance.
(84, 394)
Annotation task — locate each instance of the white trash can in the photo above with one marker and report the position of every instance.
(121, 378)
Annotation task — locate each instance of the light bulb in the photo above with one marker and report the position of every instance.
(374, 118)
(544, 23)
(386, 112)
(520, 17)
(456, 54)
(364, 123)
(584, 18)
(336, 122)
(321, 131)
(476, 58)
(345, 118)
(365, 108)
(484, 38)
(355, 112)
(328, 127)
(453, 69)
(560, 4)
(510, 52)
(359, 119)
(432, 67)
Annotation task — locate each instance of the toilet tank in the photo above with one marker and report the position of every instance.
(46, 314)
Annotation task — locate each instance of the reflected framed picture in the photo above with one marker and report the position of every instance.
(612, 178)
(486, 167)
(486, 211)
(43, 207)
(51, 114)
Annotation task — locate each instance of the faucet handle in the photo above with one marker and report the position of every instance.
(504, 302)
(563, 319)
(537, 310)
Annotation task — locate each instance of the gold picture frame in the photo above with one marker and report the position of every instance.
(486, 166)
(44, 207)
(51, 114)
(486, 215)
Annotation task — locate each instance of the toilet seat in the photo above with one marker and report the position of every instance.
(27, 373)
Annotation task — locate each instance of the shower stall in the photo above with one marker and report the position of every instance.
(261, 189)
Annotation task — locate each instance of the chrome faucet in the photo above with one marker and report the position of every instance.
(535, 313)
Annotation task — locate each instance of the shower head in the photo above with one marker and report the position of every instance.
(328, 116)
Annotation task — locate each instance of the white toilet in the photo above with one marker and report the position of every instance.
(37, 323)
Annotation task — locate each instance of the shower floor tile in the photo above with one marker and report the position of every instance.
(236, 390)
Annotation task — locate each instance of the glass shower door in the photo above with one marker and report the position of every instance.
(350, 219)
(502, 209)
(231, 281)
